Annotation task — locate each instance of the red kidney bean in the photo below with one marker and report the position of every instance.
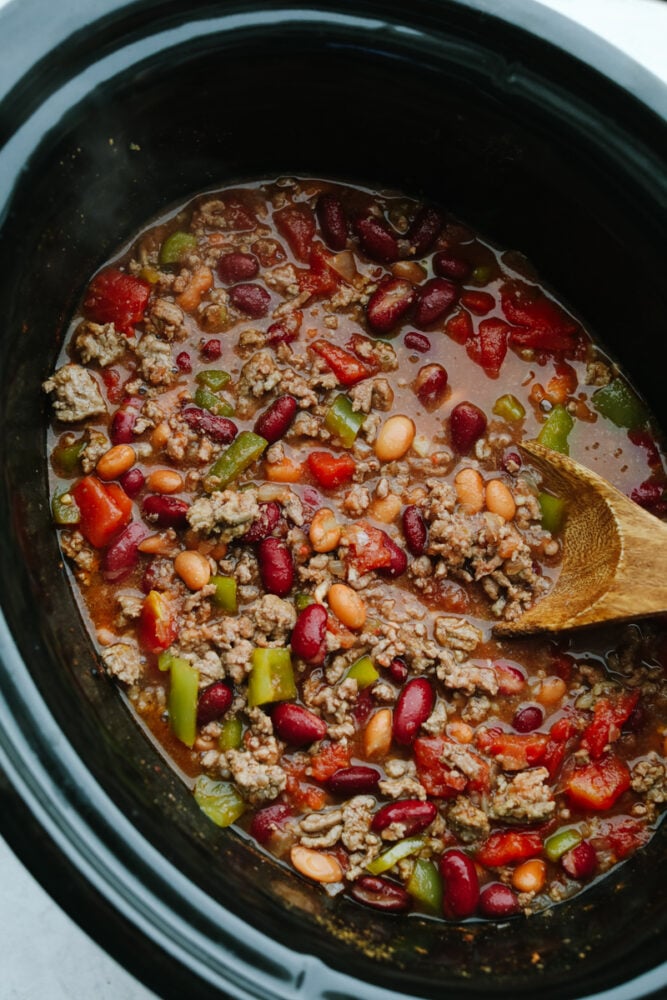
(237, 266)
(333, 223)
(581, 861)
(276, 420)
(435, 298)
(124, 419)
(467, 424)
(253, 300)
(511, 461)
(275, 566)
(399, 560)
(165, 511)
(216, 428)
(296, 725)
(527, 719)
(264, 524)
(412, 814)
(431, 385)
(123, 555)
(213, 702)
(414, 530)
(511, 680)
(376, 239)
(381, 894)
(425, 229)
(636, 720)
(356, 780)
(184, 362)
(132, 482)
(448, 265)
(309, 634)
(414, 705)
(211, 350)
(269, 821)
(389, 303)
(498, 900)
(398, 670)
(285, 330)
(362, 708)
(461, 885)
(417, 342)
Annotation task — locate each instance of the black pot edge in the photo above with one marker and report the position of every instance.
(50, 804)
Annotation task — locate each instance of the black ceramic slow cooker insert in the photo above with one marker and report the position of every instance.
(111, 111)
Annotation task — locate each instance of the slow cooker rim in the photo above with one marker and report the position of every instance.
(15, 716)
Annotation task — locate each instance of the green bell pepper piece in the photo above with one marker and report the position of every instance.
(481, 275)
(64, 509)
(66, 457)
(235, 459)
(271, 677)
(231, 734)
(182, 702)
(219, 800)
(555, 430)
(619, 403)
(553, 511)
(363, 672)
(343, 421)
(302, 601)
(213, 378)
(401, 849)
(560, 842)
(425, 885)
(176, 246)
(208, 400)
(225, 593)
(508, 407)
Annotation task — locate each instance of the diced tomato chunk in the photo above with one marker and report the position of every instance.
(554, 753)
(623, 834)
(331, 470)
(506, 846)
(105, 508)
(297, 224)
(321, 278)
(329, 759)
(303, 794)
(514, 751)
(459, 326)
(439, 780)
(608, 718)
(368, 547)
(346, 367)
(118, 298)
(489, 347)
(157, 627)
(599, 784)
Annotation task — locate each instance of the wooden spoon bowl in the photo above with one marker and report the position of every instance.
(613, 567)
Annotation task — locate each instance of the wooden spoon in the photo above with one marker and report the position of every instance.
(614, 565)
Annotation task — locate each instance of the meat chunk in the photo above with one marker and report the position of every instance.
(123, 660)
(274, 619)
(227, 514)
(84, 556)
(96, 445)
(76, 395)
(257, 782)
(525, 798)
(467, 821)
(649, 778)
(401, 780)
(99, 342)
(155, 363)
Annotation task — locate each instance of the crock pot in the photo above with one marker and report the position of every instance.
(542, 137)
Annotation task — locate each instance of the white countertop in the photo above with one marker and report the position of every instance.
(44, 953)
